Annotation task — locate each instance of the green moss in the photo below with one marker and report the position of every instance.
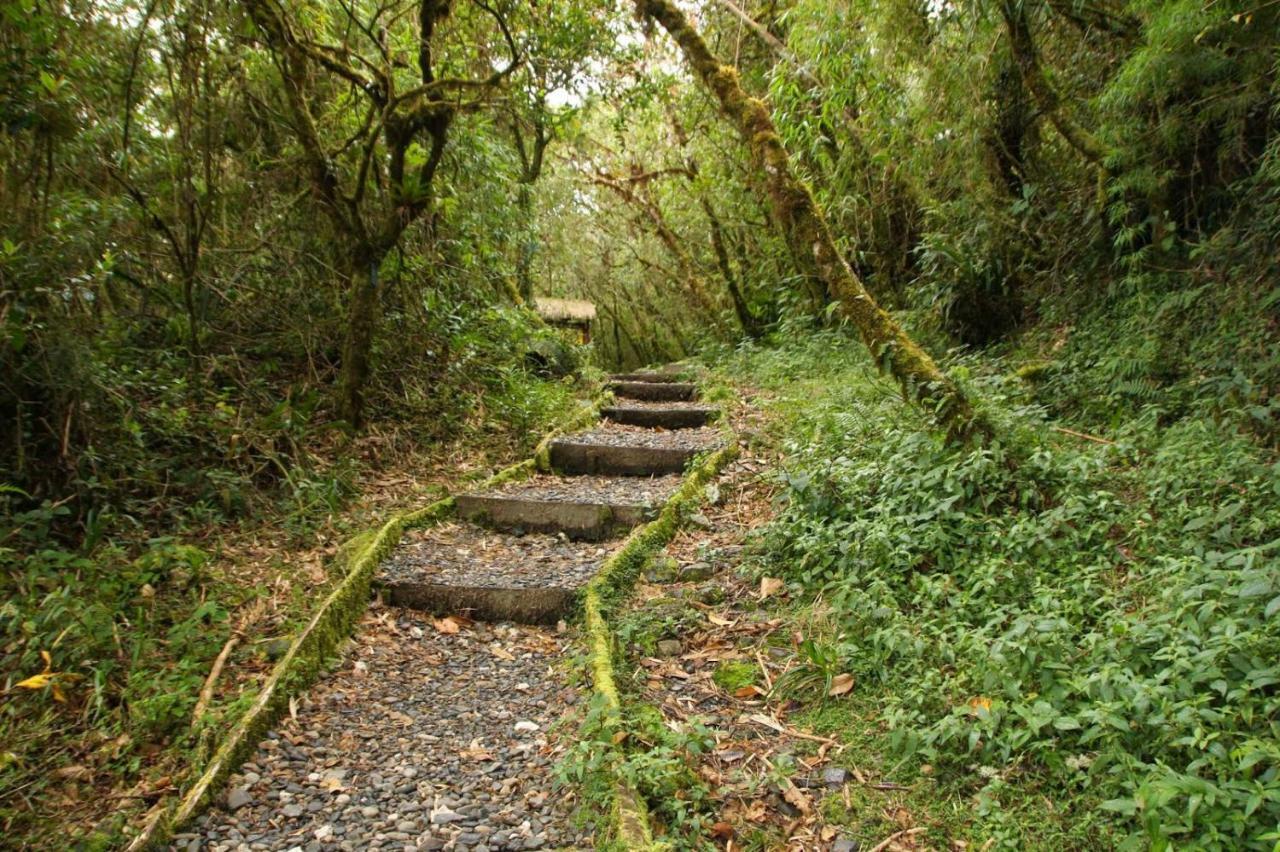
(734, 674)
(1034, 372)
(628, 826)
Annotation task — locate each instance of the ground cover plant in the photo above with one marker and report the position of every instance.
(1090, 619)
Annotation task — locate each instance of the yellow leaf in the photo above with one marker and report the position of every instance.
(979, 704)
(39, 681)
(770, 586)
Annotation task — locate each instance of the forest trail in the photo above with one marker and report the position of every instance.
(433, 734)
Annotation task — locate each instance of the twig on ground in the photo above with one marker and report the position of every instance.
(206, 691)
(1085, 435)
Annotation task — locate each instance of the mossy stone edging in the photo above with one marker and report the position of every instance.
(629, 815)
(327, 628)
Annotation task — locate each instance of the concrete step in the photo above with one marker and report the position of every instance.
(661, 415)
(655, 391)
(647, 376)
(588, 508)
(620, 451)
(488, 576)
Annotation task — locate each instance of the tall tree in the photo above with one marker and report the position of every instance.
(372, 182)
(805, 229)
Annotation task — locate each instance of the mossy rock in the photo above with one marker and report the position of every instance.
(552, 357)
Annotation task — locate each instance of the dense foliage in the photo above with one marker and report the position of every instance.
(1096, 620)
(253, 254)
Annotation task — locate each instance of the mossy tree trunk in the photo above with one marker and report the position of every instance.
(805, 229)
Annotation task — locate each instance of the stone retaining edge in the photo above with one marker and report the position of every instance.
(630, 823)
(327, 628)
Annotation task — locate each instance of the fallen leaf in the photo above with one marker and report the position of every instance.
(979, 704)
(502, 653)
(72, 773)
(476, 751)
(770, 586)
(748, 691)
(768, 722)
(840, 684)
(722, 830)
(718, 621)
(797, 798)
(448, 625)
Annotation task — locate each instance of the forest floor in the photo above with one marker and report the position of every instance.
(258, 582)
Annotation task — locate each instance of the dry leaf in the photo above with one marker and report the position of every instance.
(768, 722)
(719, 621)
(722, 830)
(476, 751)
(748, 691)
(448, 625)
(797, 798)
(502, 653)
(72, 773)
(840, 684)
(770, 586)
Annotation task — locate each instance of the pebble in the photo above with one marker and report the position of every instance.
(238, 798)
(416, 743)
(669, 647)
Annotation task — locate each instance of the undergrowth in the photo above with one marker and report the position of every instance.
(115, 599)
(1094, 620)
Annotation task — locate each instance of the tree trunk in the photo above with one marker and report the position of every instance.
(528, 243)
(805, 229)
(362, 321)
(751, 324)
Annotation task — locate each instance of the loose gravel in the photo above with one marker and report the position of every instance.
(422, 740)
(607, 490)
(465, 555)
(621, 435)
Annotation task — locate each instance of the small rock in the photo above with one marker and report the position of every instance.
(444, 816)
(844, 845)
(835, 776)
(277, 648)
(669, 647)
(526, 727)
(700, 520)
(696, 572)
(238, 798)
(665, 569)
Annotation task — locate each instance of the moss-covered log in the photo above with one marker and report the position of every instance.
(806, 232)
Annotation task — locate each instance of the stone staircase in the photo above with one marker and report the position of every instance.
(522, 551)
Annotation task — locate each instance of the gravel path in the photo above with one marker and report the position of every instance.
(661, 405)
(421, 740)
(612, 490)
(464, 555)
(620, 435)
